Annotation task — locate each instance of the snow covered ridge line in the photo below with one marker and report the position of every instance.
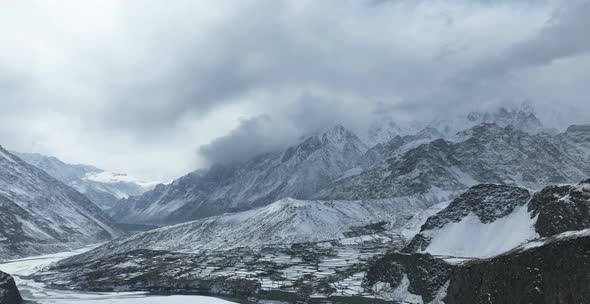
(102, 187)
(488, 219)
(282, 223)
(486, 153)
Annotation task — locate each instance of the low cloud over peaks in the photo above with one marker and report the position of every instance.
(131, 86)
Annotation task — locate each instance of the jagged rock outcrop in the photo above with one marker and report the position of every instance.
(408, 277)
(561, 208)
(9, 293)
(555, 271)
(490, 219)
(398, 144)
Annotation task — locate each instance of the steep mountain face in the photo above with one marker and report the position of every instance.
(575, 143)
(8, 292)
(40, 214)
(486, 153)
(405, 278)
(102, 187)
(282, 223)
(398, 145)
(552, 271)
(488, 220)
(298, 172)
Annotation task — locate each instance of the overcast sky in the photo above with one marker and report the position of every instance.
(159, 88)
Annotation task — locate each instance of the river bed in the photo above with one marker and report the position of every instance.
(40, 293)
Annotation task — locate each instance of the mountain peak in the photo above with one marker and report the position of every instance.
(339, 133)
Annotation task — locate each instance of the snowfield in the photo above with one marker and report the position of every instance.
(472, 238)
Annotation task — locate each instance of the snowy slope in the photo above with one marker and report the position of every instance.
(39, 214)
(488, 220)
(102, 187)
(299, 172)
(284, 222)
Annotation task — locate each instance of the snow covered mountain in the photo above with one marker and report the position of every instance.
(298, 172)
(40, 214)
(102, 187)
(397, 145)
(285, 222)
(486, 153)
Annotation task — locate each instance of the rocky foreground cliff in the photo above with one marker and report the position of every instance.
(8, 291)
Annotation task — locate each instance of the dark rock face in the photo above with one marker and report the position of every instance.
(8, 292)
(556, 273)
(488, 202)
(378, 152)
(561, 208)
(426, 274)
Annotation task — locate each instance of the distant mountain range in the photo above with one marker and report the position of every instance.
(513, 149)
(102, 187)
(297, 172)
(486, 153)
(39, 214)
(449, 211)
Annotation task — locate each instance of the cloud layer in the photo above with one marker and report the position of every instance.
(158, 89)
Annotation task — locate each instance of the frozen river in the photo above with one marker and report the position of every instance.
(39, 293)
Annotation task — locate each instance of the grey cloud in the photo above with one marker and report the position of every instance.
(564, 35)
(155, 77)
(252, 137)
(308, 115)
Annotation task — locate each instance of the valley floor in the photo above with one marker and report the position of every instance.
(39, 293)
